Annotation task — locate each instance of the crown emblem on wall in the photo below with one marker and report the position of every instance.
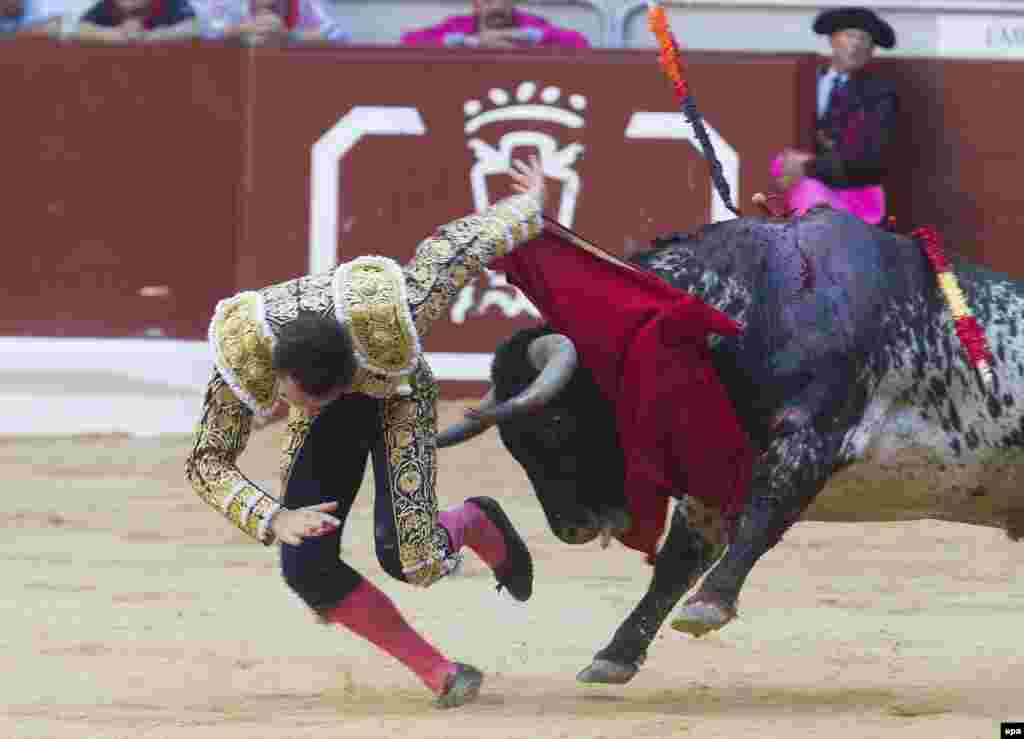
(525, 105)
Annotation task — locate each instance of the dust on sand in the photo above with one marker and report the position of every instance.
(132, 610)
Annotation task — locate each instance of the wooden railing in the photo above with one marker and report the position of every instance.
(141, 185)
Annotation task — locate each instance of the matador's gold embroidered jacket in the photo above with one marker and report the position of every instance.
(385, 307)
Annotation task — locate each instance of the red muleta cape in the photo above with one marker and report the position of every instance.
(646, 344)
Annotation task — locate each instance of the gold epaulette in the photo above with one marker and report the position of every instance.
(242, 342)
(370, 299)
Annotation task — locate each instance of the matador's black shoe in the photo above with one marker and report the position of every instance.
(461, 687)
(516, 572)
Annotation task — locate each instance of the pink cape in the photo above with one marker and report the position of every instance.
(867, 203)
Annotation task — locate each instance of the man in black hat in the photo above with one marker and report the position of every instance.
(856, 116)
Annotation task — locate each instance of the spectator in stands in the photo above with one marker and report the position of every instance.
(855, 120)
(260, 20)
(138, 20)
(30, 17)
(495, 24)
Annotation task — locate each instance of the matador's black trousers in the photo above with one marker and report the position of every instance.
(399, 436)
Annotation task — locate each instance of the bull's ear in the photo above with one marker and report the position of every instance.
(471, 426)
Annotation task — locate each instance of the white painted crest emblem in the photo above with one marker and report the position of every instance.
(529, 104)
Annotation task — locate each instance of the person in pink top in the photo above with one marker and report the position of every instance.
(495, 24)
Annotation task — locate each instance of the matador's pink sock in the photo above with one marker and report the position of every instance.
(467, 524)
(372, 615)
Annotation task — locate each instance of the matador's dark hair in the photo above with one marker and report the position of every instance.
(316, 351)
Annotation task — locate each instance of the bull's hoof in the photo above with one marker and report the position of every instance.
(702, 617)
(606, 672)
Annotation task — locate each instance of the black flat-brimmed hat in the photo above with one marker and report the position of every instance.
(839, 19)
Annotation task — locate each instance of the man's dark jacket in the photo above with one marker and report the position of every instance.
(853, 140)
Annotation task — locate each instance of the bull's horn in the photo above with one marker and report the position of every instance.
(557, 354)
(469, 427)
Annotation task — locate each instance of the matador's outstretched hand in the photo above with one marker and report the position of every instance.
(529, 178)
(293, 526)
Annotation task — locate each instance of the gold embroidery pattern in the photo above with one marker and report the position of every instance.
(460, 250)
(242, 343)
(410, 426)
(374, 328)
(221, 435)
(317, 294)
(299, 423)
(374, 385)
(369, 296)
(314, 295)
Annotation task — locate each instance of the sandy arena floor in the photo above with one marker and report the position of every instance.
(132, 610)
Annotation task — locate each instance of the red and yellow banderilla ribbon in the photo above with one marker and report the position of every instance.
(965, 324)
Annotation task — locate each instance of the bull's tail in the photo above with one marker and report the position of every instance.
(967, 328)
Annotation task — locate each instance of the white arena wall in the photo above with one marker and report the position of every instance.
(136, 386)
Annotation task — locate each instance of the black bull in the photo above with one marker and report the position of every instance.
(848, 371)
